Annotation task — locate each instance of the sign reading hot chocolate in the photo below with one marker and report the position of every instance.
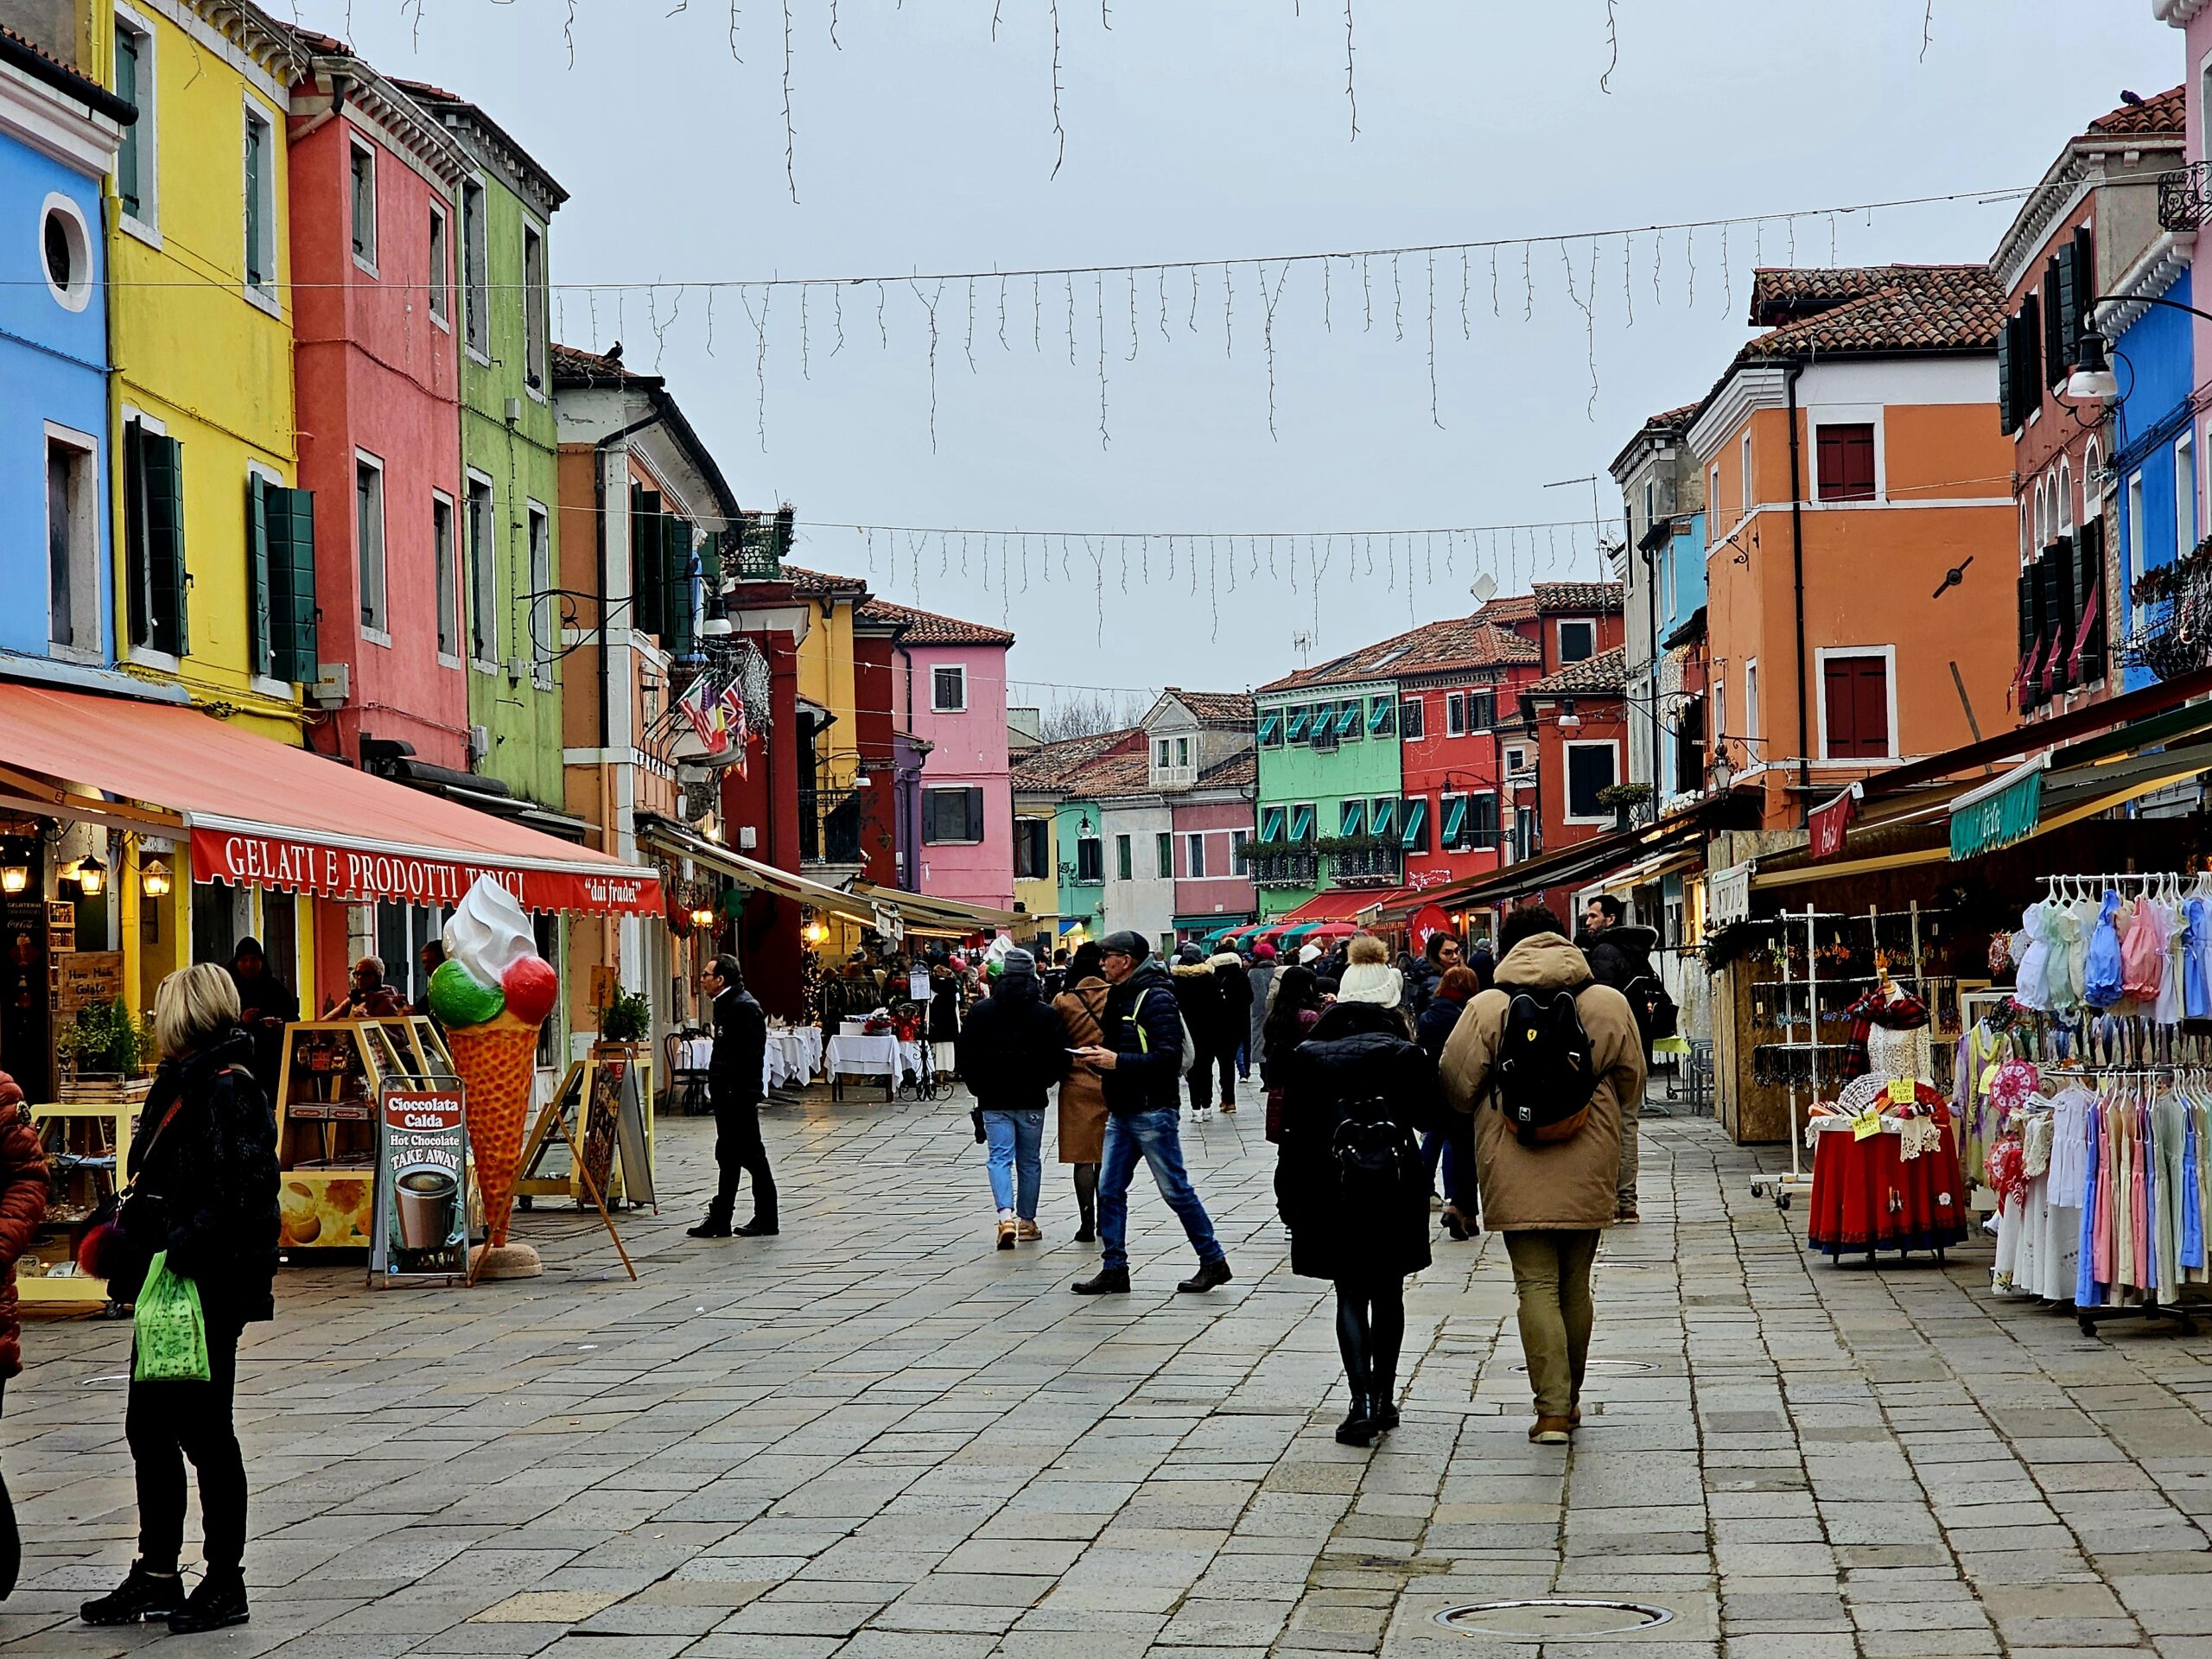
(420, 1228)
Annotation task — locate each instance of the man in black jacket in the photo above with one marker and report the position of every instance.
(1620, 954)
(1012, 1051)
(1140, 1064)
(734, 1084)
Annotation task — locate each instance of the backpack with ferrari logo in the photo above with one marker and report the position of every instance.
(1374, 1153)
(1545, 1074)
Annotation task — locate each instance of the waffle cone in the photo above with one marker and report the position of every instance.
(498, 1060)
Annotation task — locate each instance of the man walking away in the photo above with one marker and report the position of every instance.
(1547, 1098)
(1140, 1059)
(1228, 1058)
(1012, 1050)
(1619, 955)
(1198, 994)
(734, 1084)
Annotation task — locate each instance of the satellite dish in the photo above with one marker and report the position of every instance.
(1482, 588)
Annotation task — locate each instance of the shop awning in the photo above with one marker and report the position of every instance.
(1569, 867)
(259, 812)
(681, 842)
(1341, 905)
(928, 909)
(1651, 869)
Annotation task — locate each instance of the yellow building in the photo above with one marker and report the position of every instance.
(203, 416)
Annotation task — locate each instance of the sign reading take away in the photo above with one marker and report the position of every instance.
(420, 1219)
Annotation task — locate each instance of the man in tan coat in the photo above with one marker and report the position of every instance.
(1550, 1199)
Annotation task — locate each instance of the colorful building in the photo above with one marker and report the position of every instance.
(1050, 781)
(1327, 742)
(949, 680)
(1202, 764)
(1662, 570)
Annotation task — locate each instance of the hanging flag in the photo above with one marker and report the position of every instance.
(729, 713)
(705, 716)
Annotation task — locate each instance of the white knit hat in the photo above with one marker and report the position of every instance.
(1371, 981)
(1308, 953)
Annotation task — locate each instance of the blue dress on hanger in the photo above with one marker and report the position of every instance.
(2196, 995)
(2101, 978)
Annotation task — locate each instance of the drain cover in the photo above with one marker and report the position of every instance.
(1542, 1618)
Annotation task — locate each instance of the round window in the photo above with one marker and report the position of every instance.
(65, 247)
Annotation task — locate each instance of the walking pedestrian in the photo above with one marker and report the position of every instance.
(1619, 955)
(1260, 977)
(1140, 1056)
(1438, 957)
(1012, 1050)
(1572, 1060)
(1290, 1022)
(1082, 1008)
(735, 1077)
(1349, 1181)
(203, 1190)
(1448, 1141)
(1211, 992)
(944, 1012)
(1483, 961)
(23, 1195)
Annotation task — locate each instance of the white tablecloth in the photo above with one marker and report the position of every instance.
(873, 1057)
(794, 1054)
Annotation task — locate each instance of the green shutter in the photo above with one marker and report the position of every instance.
(162, 466)
(295, 652)
(1415, 838)
(676, 637)
(1351, 817)
(647, 561)
(711, 557)
(1455, 820)
(1271, 824)
(256, 554)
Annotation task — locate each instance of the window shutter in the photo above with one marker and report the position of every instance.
(1416, 837)
(676, 635)
(2054, 320)
(295, 646)
(2056, 570)
(1870, 693)
(1485, 814)
(2068, 293)
(2008, 411)
(647, 560)
(929, 815)
(2089, 599)
(2083, 260)
(2028, 360)
(975, 808)
(161, 466)
(1842, 710)
(258, 651)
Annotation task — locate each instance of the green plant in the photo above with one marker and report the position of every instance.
(628, 1019)
(105, 1037)
(1618, 795)
(1359, 843)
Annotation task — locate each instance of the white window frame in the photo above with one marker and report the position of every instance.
(1751, 703)
(2186, 517)
(959, 707)
(1444, 800)
(364, 247)
(1194, 856)
(85, 508)
(2065, 497)
(378, 633)
(483, 664)
(1745, 504)
(1182, 754)
(1559, 636)
(1125, 858)
(537, 520)
(2093, 495)
(1567, 815)
(1713, 536)
(145, 225)
(125, 648)
(1852, 415)
(1160, 752)
(983, 833)
(2136, 567)
(265, 294)
(1822, 655)
(476, 275)
(1514, 758)
(1163, 855)
(1412, 718)
(440, 271)
(1455, 716)
(84, 251)
(447, 585)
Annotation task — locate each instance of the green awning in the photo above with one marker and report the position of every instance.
(1268, 723)
(1297, 718)
(1455, 819)
(1382, 819)
(1416, 831)
(1379, 715)
(1351, 817)
(1302, 823)
(2002, 811)
(1348, 719)
(1271, 824)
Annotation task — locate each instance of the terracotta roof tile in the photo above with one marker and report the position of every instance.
(575, 367)
(1606, 674)
(1050, 765)
(818, 584)
(1111, 775)
(1434, 647)
(1231, 709)
(1509, 607)
(1241, 767)
(2167, 112)
(928, 628)
(1604, 597)
(1875, 307)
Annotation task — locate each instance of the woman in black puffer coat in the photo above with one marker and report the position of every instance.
(204, 1167)
(1353, 1191)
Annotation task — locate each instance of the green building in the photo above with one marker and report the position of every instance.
(1330, 785)
(510, 524)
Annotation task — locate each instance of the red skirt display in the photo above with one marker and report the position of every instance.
(1865, 1197)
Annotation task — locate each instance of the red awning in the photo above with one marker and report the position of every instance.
(261, 813)
(1340, 905)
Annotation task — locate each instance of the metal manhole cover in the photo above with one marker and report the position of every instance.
(1542, 1618)
(1605, 1365)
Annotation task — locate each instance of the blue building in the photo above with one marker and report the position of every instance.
(1662, 567)
(59, 134)
(2157, 463)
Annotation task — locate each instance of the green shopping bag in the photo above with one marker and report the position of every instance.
(172, 1333)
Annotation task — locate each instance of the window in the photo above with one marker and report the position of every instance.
(1414, 836)
(260, 203)
(1751, 703)
(439, 274)
(2184, 494)
(1238, 863)
(1194, 857)
(134, 84)
(533, 288)
(1160, 754)
(1164, 855)
(1713, 503)
(483, 605)
(542, 646)
(475, 297)
(1844, 463)
(2137, 563)
(1351, 817)
(1271, 729)
(1689, 749)
(1029, 860)
(2093, 495)
(73, 544)
(1516, 759)
(1578, 640)
(1382, 717)
(1382, 817)
(1295, 731)
(1481, 833)
(1455, 716)
(1482, 711)
(1271, 824)
(368, 542)
(1124, 870)
(1855, 708)
(948, 688)
(2065, 496)
(1301, 821)
(1590, 767)
(281, 614)
(1089, 860)
(153, 528)
(363, 197)
(1182, 751)
(1409, 719)
(953, 816)
(448, 596)
(1744, 498)
(65, 243)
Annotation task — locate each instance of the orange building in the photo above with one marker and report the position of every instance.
(1861, 552)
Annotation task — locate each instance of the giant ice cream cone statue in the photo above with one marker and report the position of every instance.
(491, 993)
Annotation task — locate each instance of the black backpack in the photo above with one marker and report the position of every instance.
(1544, 1073)
(1656, 1015)
(1375, 1154)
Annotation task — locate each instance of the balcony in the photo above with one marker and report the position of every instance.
(1371, 866)
(1073, 876)
(2183, 198)
(1287, 870)
(830, 826)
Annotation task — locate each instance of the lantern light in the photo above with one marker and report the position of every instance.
(154, 878)
(13, 878)
(92, 876)
(703, 917)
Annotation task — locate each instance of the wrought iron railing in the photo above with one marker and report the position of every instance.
(830, 826)
(1287, 870)
(2174, 636)
(2185, 199)
(1373, 865)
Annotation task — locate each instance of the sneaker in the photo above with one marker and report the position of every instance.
(141, 1595)
(217, 1602)
(1208, 1274)
(1028, 1232)
(1110, 1281)
(1007, 1231)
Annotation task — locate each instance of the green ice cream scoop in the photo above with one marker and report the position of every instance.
(458, 1000)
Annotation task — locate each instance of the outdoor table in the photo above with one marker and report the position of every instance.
(864, 1057)
(1866, 1197)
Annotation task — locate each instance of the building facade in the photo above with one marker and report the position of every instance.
(1662, 571)
(951, 682)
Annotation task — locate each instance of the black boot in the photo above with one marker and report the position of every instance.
(141, 1595)
(714, 1225)
(1086, 1202)
(1381, 1405)
(217, 1602)
(1208, 1274)
(1358, 1426)
(759, 1227)
(1110, 1281)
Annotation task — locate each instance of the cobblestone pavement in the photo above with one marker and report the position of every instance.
(876, 1435)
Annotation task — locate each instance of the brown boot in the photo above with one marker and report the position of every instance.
(1550, 1431)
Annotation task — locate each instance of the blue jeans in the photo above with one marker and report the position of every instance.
(1017, 1142)
(1152, 1135)
(1444, 1145)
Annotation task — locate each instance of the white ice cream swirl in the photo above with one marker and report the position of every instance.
(488, 932)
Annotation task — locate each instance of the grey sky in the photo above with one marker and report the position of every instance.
(1203, 131)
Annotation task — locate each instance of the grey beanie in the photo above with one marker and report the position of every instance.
(1018, 967)
(1125, 943)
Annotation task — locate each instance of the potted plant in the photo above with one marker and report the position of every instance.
(628, 1019)
(102, 1051)
(1623, 799)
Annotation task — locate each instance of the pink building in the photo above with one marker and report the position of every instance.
(1200, 759)
(950, 686)
(371, 179)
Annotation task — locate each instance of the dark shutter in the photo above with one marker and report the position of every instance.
(2039, 611)
(2008, 404)
(2055, 568)
(2083, 262)
(676, 637)
(929, 815)
(256, 555)
(974, 806)
(648, 560)
(2089, 601)
(2054, 321)
(161, 470)
(1870, 690)
(2027, 362)
(295, 652)
(1842, 709)
(2067, 294)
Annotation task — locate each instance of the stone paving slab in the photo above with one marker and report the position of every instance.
(875, 1436)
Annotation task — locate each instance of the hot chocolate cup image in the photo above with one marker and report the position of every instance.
(426, 1209)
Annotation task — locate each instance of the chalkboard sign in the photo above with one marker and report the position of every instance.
(85, 979)
(419, 1226)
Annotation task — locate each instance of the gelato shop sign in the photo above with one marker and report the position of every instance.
(422, 1199)
(365, 874)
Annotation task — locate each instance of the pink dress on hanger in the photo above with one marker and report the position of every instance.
(2108, 1161)
(2142, 953)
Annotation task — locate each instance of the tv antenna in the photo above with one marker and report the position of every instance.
(1302, 643)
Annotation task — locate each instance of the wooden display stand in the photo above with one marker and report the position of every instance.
(325, 1120)
(87, 1145)
(598, 1079)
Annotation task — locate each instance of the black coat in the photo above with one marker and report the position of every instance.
(1434, 1026)
(264, 997)
(205, 1186)
(945, 1003)
(1421, 981)
(740, 1056)
(1145, 1030)
(1012, 1050)
(1619, 955)
(1358, 1052)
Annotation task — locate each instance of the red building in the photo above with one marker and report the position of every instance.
(1459, 685)
(371, 179)
(1576, 627)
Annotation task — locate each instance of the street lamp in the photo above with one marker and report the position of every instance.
(91, 875)
(2093, 380)
(13, 878)
(154, 879)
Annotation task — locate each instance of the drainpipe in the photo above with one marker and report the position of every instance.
(339, 81)
(1797, 575)
(1651, 659)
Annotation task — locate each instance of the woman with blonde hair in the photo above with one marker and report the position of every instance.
(203, 1188)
